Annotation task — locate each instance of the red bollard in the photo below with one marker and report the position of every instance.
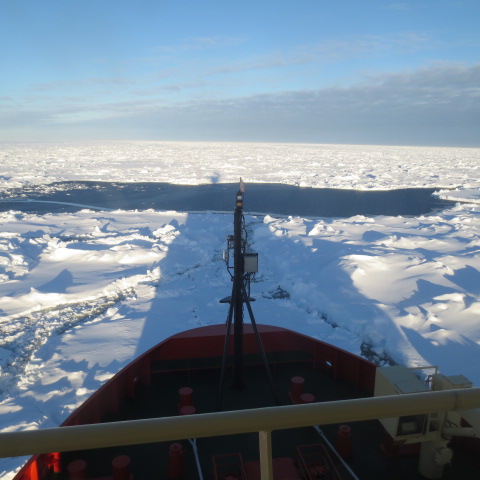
(297, 384)
(307, 398)
(188, 410)
(77, 470)
(176, 466)
(344, 441)
(186, 394)
(121, 467)
(56, 462)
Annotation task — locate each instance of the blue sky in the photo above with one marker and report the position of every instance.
(367, 72)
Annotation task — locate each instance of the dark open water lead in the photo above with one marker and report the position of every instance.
(264, 198)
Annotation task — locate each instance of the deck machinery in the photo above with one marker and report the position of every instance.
(432, 431)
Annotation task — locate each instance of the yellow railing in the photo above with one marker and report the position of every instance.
(262, 420)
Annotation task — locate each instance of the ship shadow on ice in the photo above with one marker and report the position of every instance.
(263, 198)
(185, 285)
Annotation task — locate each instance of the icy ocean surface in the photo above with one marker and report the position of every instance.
(263, 198)
(86, 287)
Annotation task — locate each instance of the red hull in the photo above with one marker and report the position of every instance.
(203, 343)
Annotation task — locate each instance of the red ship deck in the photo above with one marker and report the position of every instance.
(149, 387)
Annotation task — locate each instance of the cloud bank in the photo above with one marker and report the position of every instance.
(438, 105)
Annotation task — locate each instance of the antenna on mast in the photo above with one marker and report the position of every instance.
(245, 265)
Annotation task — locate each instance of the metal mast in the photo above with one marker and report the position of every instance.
(244, 265)
(237, 295)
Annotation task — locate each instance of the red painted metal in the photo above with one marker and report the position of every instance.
(121, 467)
(186, 396)
(307, 398)
(56, 463)
(205, 342)
(315, 462)
(229, 466)
(188, 410)
(297, 384)
(77, 470)
(176, 464)
(344, 441)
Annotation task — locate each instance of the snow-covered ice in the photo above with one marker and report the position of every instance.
(83, 293)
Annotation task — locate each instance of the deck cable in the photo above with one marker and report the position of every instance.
(193, 443)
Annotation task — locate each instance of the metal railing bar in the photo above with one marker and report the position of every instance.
(135, 432)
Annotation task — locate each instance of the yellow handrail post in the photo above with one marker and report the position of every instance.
(265, 444)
